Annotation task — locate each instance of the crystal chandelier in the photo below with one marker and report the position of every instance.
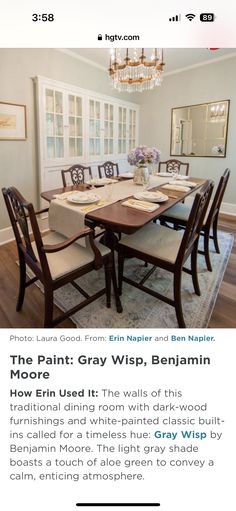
(132, 70)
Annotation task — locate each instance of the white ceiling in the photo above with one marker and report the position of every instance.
(175, 59)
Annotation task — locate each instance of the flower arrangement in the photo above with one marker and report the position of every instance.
(143, 154)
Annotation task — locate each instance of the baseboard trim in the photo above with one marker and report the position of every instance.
(228, 209)
(6, 235)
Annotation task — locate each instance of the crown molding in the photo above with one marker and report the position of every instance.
(71, 53)
(168, 73)
(200, 64)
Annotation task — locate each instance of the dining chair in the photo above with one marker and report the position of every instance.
(76, 175)
(56, 260)
(168, 249)
(109, 169)
(178, 216)
(175, 166)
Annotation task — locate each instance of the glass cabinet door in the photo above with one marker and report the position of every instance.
(75, 120)
(122, 130)
(108, 129)
(94, 128)
(54, 124)
(76, 125)
(83, 128)
(132, 129)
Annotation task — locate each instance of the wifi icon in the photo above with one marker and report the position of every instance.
(190, 17)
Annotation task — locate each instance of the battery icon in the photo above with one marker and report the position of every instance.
(207, 16)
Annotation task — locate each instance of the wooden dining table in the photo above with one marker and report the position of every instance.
(115, 218)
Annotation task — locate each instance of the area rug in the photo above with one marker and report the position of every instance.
(141, 310)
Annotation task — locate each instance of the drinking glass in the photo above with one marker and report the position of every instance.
(108, 192)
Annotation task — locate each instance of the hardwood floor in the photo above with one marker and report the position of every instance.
(224, 314)
(32, 313)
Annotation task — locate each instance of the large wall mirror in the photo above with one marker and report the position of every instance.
(200, 130)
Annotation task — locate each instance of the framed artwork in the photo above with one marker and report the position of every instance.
(12, 121)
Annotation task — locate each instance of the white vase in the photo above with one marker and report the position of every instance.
(141, 175)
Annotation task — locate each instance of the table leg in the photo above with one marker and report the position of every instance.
(119, 307)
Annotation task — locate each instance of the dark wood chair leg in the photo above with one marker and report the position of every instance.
(194, 269)
(215, 237)
(206, 249)
(108, 270)
(21, 295)
(119, 307)
(120, 272)
(177, 298)
(162, 222)
(48, 307)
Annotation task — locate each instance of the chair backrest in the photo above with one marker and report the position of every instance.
(23, 220)
(76, 175)
(109, 169)
(174, 166)
(195, 221)
(218, 197)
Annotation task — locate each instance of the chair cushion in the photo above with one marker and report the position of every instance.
(71, 258)
(179, 211)
(155, 240)
(182, 212)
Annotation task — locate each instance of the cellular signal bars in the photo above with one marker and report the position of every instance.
(175, 18)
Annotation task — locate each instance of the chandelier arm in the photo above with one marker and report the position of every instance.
(136, 73)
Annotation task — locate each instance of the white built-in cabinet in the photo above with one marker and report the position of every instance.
(79, 126)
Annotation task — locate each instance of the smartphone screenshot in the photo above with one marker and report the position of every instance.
(117, 255)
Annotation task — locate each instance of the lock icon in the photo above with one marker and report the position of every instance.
(99, 37)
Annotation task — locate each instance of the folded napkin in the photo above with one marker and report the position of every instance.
(63, 196)
(190, 184)
(177, 188)
(141, 205)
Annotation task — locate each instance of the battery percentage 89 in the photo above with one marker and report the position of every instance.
(207, 16)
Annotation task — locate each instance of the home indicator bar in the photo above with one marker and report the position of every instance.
(123, 504)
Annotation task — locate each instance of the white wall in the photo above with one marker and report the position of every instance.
(213, 82)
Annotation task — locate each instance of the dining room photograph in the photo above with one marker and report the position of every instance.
(118, 179)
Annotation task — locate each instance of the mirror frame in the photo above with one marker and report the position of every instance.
(199, 155)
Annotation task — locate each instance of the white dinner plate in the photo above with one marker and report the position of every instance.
(181, 176)
(151, 196)
(164, 174)
(83, 198)
(127, 175)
